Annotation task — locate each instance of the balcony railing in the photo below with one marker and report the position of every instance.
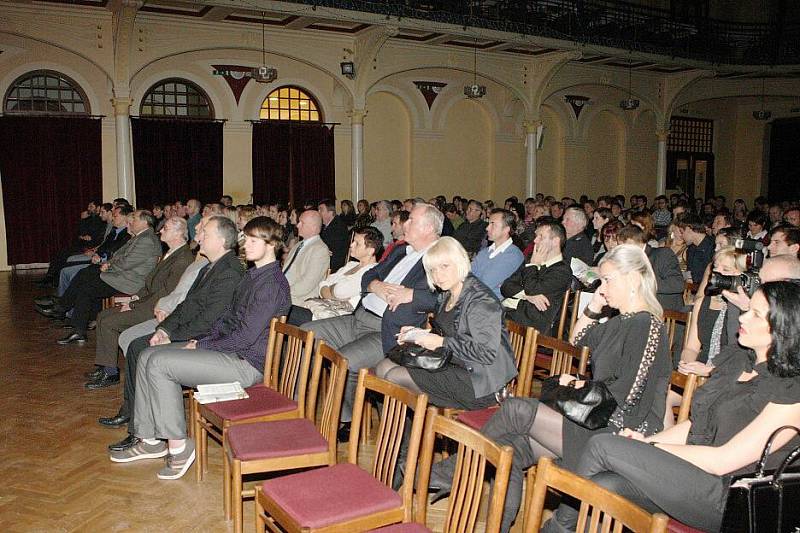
(605, 23)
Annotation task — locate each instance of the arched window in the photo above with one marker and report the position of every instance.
(290, 103)
(45, 91)
(176, 98)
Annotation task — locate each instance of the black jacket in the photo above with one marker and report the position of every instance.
(337, 237)
(669, 280)
(579, 246)
(113, 242)
(414, 313)
(551, 281)
(206, 300)
(481, 343)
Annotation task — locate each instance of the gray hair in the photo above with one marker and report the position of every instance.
(227, 230)
(631, 258)
(578, 213)
(180, 224)
(433, 216)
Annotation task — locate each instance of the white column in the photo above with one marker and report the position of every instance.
(357, 152)
(661, 166)
(124, 148)
(531, 127)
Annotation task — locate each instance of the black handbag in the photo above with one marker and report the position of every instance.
(765, 502)
(590, 406)
(412, 355)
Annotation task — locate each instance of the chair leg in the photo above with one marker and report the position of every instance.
(261, 525)
(192, 413)
(201, 434)
(226, 484)
(205, 451)
(236, 495)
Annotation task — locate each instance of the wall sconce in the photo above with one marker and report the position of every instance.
(348, 69)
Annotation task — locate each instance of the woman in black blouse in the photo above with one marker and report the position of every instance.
(685, 471)
(628, 353)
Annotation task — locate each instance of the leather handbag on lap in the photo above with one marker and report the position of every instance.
(765, 502)
(412, 355)
(590, 406)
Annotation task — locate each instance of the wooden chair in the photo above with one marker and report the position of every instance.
(600, 510)
(688, 383)
(555, 356)
(474, 451)
(286, 366)
(286, 444)
(573, 313)
(689, 291)
(671, 320)
(562, 316)
(345, 497)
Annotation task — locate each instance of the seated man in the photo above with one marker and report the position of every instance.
(398, 232)
(397, 294)
(534, 292)
(208, 298)
(578, 244)
(700, 249)
(495, 263)
(233, 350)
(473, 230)
(124, 273)
(307, 262)
(160, 282)
(334, 234)
(669, 279)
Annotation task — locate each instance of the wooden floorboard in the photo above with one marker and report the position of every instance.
(55, 474)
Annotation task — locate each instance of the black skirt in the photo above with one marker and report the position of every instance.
(451, 387)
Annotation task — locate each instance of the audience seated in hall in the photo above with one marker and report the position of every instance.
(700, 246)
(399, 219)
(307, 262)
(472, 231)
(495, 263)
(669, 279)
(382, 221)
(334, 234)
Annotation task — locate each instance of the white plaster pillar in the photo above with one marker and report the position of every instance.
(124, 148)
(531, 128)
(661, 166)
(357, 152)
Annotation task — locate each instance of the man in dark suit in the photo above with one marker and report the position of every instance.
(669, 280)
(534, 293)
(207, 299)
(334, 234)
(578, 244)
(396, 294)
(472, 231)
(160, 282)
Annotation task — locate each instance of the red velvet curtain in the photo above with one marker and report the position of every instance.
(293, 162)
(50, 169)
(177, 160)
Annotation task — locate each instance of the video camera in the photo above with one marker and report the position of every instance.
(749, 281)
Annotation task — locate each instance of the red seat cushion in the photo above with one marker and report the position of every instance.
(410, 527)
(281, 438)
(678, 527)
(330, 495)
(477, 419)
(262, 401)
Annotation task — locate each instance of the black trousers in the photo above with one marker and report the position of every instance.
(85, 297)
(59, 259)
(654, 479)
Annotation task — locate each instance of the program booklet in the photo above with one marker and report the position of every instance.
(220, 392)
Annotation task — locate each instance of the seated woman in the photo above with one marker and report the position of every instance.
(608, 234)
(471, 321)
(629, 354)
(685, 471)
(340, 291)
(675, 242)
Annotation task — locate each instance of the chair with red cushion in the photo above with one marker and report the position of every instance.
(288, 359)
(286, 444)
(474, 451)
(600, 509)
(345, 497)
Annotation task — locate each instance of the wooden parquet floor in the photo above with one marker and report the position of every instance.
(55, 474)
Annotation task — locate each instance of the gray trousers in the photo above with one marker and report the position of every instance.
(148, 327)
(654, 479)
(358, 338)
(158, 408)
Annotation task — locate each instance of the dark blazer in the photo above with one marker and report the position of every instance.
(551, 281)
(337, 237)
(579, 246)
(206, 300)
(481, 342)
(470, 235)
(414, 313)
(163, 279)
(113, 242)
(669, 280)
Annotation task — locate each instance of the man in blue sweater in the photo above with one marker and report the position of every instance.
(502, 258)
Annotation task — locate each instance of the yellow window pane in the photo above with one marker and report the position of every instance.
(294, 93)
(295, 115)
(284, 104)
(304, 115)
(304, 104)
(314, 115)
(273, 114)
(294, 104)
(284, 114)
(312, 106)
(284, 93)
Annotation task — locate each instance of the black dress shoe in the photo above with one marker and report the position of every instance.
(102, 382)
(44, 301)
(128, 442)
(73, 337)
(116, 421)
(343, 435)
(95, 374)
(51, 312)
(91, 326)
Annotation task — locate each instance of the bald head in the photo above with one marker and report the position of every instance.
(780, 268)
(310, 224)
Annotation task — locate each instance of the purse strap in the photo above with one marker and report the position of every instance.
(794, 454)
(768, 449)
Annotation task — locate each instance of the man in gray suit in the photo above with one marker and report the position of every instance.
(124, 273)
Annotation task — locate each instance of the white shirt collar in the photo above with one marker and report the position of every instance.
(495, 250)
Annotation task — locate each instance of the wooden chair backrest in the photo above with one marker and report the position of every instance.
(671, 320)
(474, 451)
(328, 420)
(523, 341)
(396, 403)
(562, 317)
(566, 357)
(289, 358)
(600, 510)
(689, 291)
(688, 383)
(573, 317)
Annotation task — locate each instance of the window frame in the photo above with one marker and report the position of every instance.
(176, 105)
(73, 86)
(304, 95)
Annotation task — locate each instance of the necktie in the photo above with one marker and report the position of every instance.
(296, 253)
